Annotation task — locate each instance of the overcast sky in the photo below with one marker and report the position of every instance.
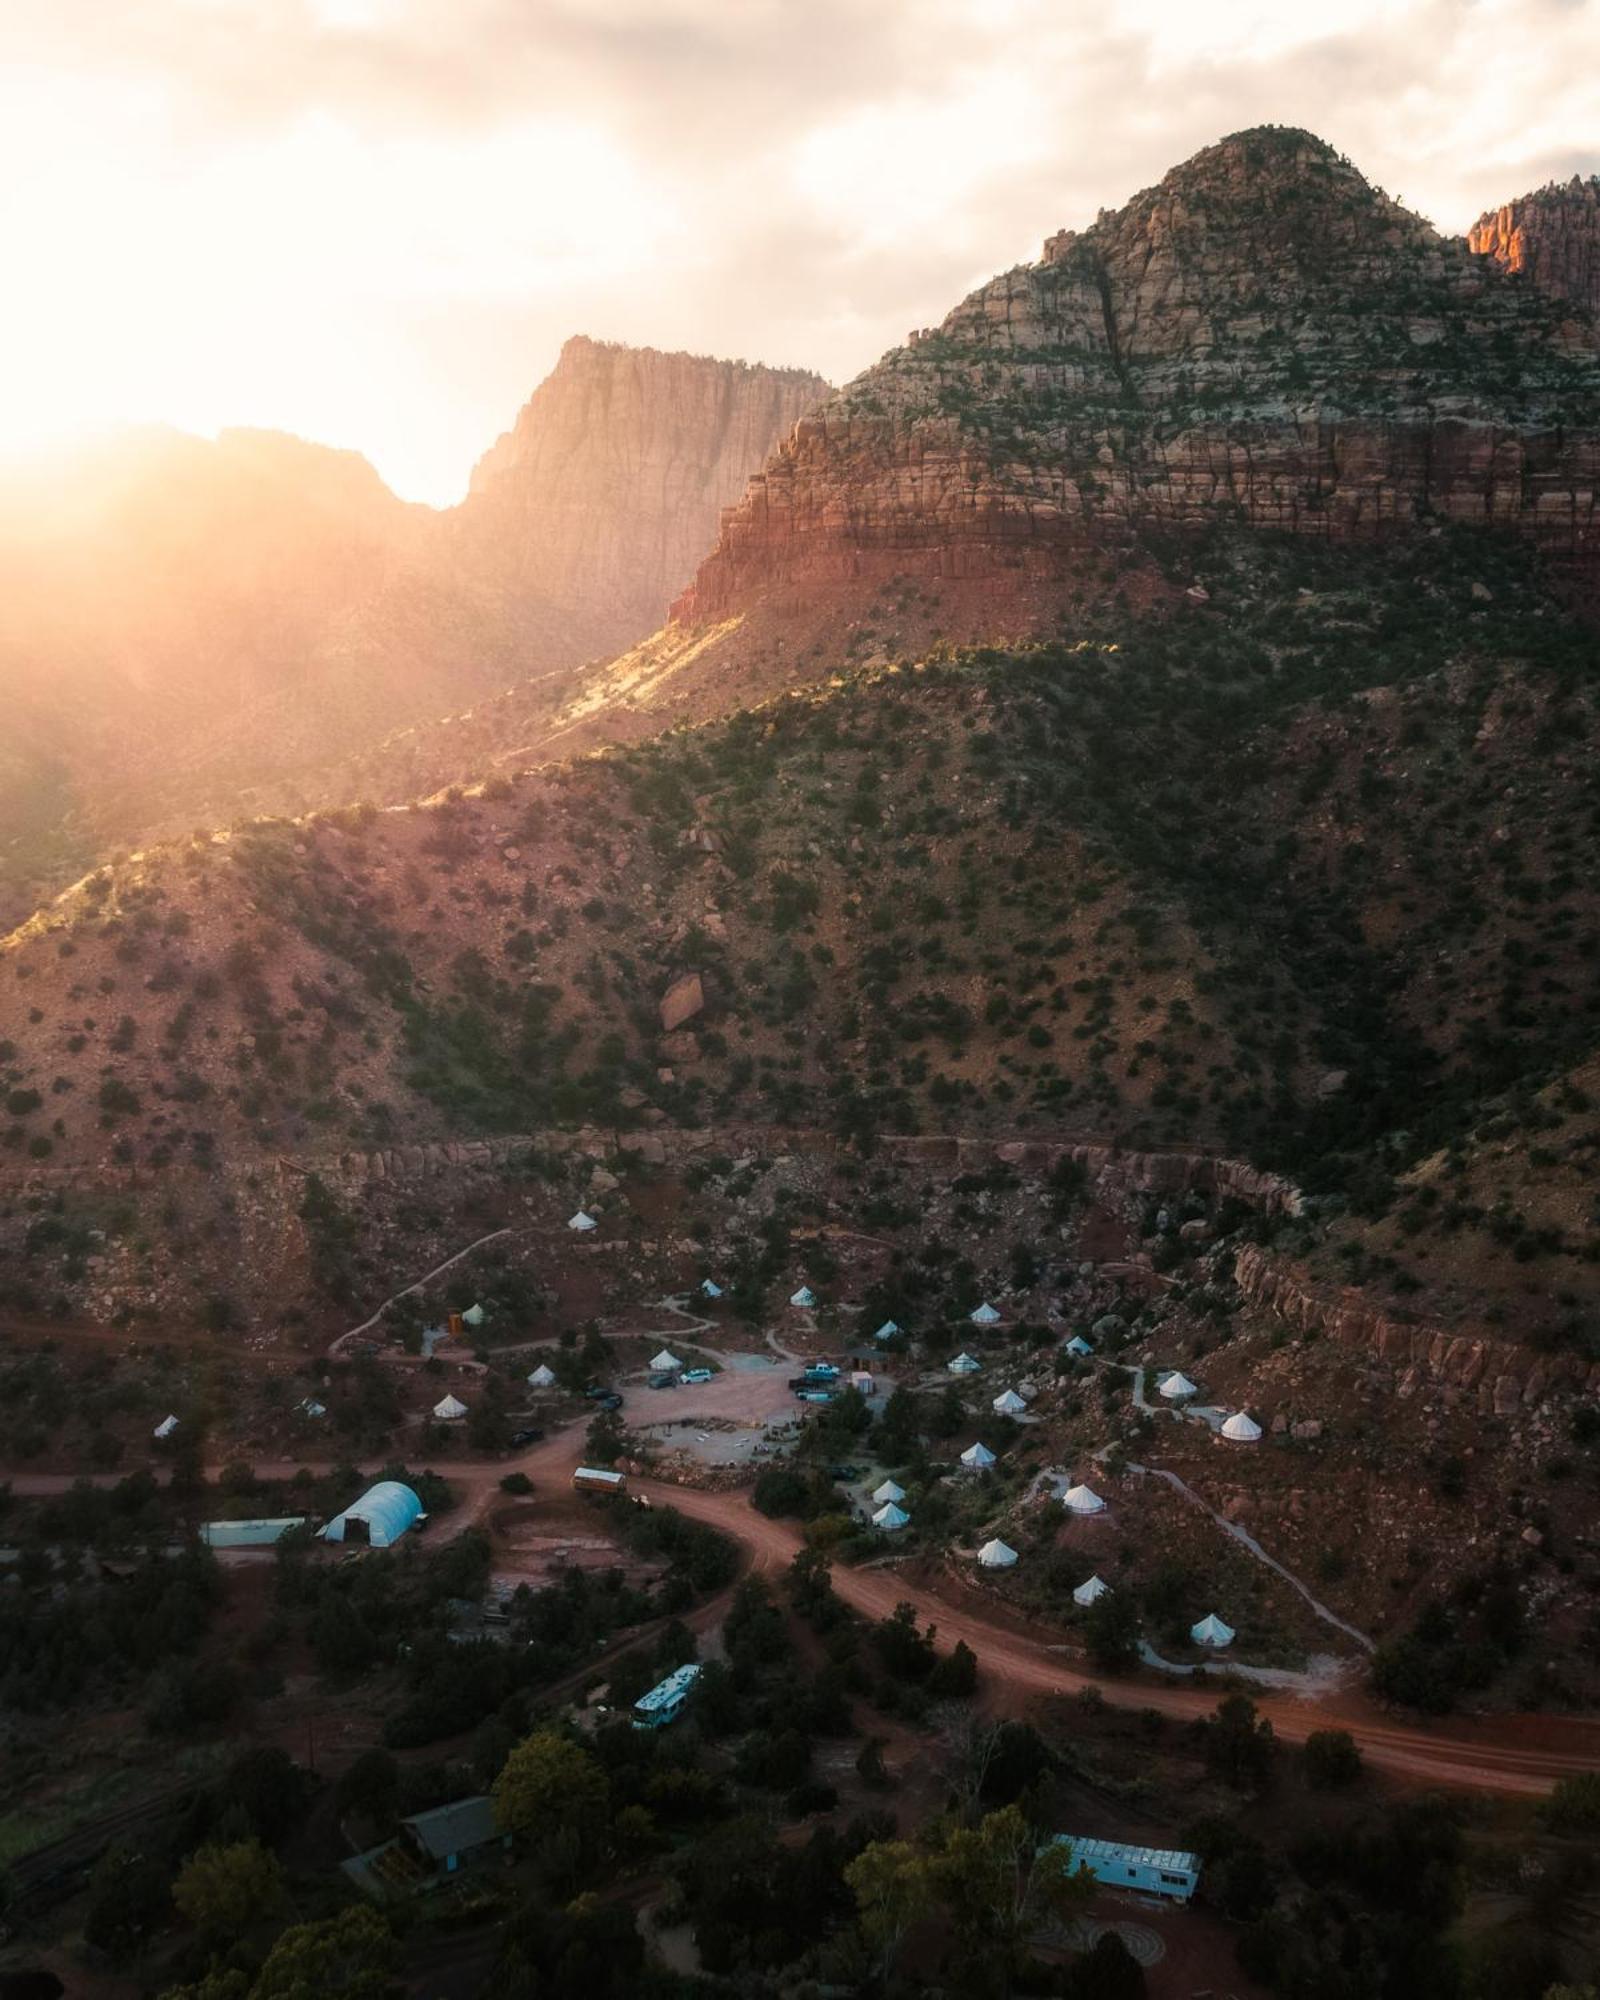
(375, 221)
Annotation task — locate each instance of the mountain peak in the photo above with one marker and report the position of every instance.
(1551, 237)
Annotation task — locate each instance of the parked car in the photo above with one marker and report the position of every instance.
(697, 1375)
(608, 1399)
(533, 1436)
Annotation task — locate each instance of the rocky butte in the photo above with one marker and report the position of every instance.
(1264, 337)
(1552, 237)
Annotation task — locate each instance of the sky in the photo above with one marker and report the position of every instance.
(373, 222)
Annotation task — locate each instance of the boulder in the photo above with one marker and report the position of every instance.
(683, 999)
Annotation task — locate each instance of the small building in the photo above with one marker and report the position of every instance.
(803, 1298)
(1091, 1592)
(1082, 1500)
(1079, 1347)
(380, 1517)
(891, 1519)
(598, 1479)
(887, 1331)
(1242, 1429)
(542, 1377)
(977, 1457)
(248, 1534)
(1212, 1632)
(165, 1428)
(997, 1555)
(1008, 1404)
(888, 1492)
(1153, 1871)
(583, 1222)
(862, 1382)
(984, 1315)
(964, 1364)
(1177, 1386)
(666, 1363)
(664, 1703)
(450, 1411)
(454, 1837)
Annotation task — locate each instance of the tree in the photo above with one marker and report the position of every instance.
(1001, 1886)
(370, 1787)
(224, 1890)
(129, 1897)
(352, 1956)
(1574, 1805)
(893, 1884)
(905, 1652)
(547, 1783)
(1111, 1631)
(1240, 1746)
(1107, 1971)
(1332, 1759)
(956, 1675)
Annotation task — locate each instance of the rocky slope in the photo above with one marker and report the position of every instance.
(609, 488)
(1262, 337)
(1551, 237)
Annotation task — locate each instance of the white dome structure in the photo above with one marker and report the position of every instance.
(1008, 1404)
(888, 1493)
(384, 1512)
(977, 1457)
(1082, 1500)
(543, 1377)
(997, 1555)
(804, 1297)
(1242, 1429)
(582, 1221)
(1091, 1592)
(984, 1315)
(891, 1518)
(451, 1410)
(1211, 1632)
(1177, 1386)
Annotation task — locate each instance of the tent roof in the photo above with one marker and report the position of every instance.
(977, 1454)
(887, 1330)
(1078, 1345)
(542, 1376)
(1008, 1403)
(665, 1360)
(1091, 1590)
(984, 1315)
(804, 1297)
(450, 1406)
(582, 1220)
(388, 1509)
(1177, 1384)
(964, 1364)
(889, 1491)
(890, 1516)
(1242, 1428)
(997, 1555)
(1083, 1500)
(474, 1316)
(1211, 1631)
(711, 1288)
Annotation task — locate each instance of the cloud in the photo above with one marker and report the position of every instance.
(376, 220)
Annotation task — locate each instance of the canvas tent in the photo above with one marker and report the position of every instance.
(1211, 1632)
(1091, 1592)
(543, 1377)
(1082, 1500)
(474, 1316)
(1079, 1346)
(582, 1220)
(451, 1410)
(1176, 1387)
(887, 1331)
(666, 1363)
(165, 1428)
(997, 1555)
(889, 1518)
(888, 1492)
(977, 1458)
(383, 1514)
(1242, 1429)
(804, 1297)
(1008, 1404)
(984, 1315)
(710, 1288)
(964, 1365)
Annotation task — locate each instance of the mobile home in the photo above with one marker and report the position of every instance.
(664, 1702)
(597, 1479)
(1150, 1871)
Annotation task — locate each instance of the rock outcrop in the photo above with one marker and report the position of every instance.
(608, 489)
(1264, 337)
(1550, 237)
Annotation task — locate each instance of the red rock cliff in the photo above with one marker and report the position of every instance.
(608, 489)
(1552, 237)
(1263, 336)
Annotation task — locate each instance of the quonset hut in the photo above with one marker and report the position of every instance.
(380, 1517)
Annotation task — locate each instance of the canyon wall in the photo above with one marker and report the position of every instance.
(1551, 237)
(1263, 338)
(608, 489)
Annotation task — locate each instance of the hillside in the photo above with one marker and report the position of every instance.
(191, 632)
(1263, 337)
(1551, 237)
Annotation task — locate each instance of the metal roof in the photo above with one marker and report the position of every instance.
(453, 1829)
(667, 1693)
(1172, 1858)
(257, 1534)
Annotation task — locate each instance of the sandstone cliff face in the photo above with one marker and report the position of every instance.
(608, 489)
(1552, 237)
(1262, 337)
